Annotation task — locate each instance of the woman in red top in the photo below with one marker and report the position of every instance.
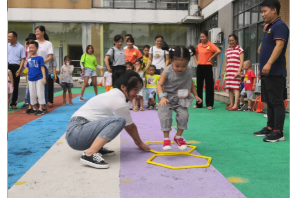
(234, 63)
(206, 51)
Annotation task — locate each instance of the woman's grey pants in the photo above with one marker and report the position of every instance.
(81, 133)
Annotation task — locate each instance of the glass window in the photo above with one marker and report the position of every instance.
(246, 44)
(124, 3)
(253, 44)
(254, 2)
(260, 14)
(241, 38)
(166, 4)
(236, 22)
(240, 20)
(241, 6)
(145, 4)
(247, 4)
(235, 7)
(183, 4)
(260, 35)
(102, 3)
(22, 29)
(254, 15)
(247, 18)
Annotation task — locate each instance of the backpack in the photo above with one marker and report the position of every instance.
(112, 60)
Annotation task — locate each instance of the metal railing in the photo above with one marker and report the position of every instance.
(142, 4)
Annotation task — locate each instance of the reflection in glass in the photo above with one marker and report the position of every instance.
(247, 4)
(241, 6)
(236, 7)
(254, 15)
(260, 14)
(246, 44)
(22, 29)
(150, 4)
(124, 3)
(236, 22)
(247, 18)
(240, 20)
(241, 38)
(260, 34)
(102, 3)
(253, 44)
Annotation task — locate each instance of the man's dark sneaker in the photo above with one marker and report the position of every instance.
(95, 160)
(44, 110)
(106, 152)
(265, 131)
(248, 110)
(39, 112)
(241, 107)
(274, 136)
(28, 111)
(32, 112)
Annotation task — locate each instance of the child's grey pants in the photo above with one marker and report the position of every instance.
(165, 116)
(37, 90)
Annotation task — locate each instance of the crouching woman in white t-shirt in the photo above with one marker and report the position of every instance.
(102, 118)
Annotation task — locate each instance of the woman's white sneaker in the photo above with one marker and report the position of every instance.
(95, 160)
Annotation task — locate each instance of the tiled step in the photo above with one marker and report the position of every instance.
(224, 97)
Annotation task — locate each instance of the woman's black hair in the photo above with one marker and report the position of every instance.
(118, 38)
(205, 32)
(128, 78)
(43, 29)
(272, 4)
(130, 39)
(234, 36)
(65, 57)
(34, 43)
(179, 52)
(159, 36)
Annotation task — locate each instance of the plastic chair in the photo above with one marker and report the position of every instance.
(216, 86)
(222, 86)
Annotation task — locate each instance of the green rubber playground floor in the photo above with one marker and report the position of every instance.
(228, 138)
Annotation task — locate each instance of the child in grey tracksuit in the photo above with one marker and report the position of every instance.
(174, 89)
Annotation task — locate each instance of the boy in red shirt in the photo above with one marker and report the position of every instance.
(249, 85)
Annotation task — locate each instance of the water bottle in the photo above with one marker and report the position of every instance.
(82, 76)
(52, 76)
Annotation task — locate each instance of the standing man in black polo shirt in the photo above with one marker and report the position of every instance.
(273, 70)
(16, 59)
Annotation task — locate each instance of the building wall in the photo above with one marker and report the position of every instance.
(214, 6)
(66, 4)
(225, 22)
(97, 15)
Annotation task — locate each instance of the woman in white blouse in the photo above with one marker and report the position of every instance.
(102, 118)
(45, 50)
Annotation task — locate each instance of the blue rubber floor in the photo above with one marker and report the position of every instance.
(30, 142)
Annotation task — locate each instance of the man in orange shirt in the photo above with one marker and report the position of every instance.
(131, 53)
(206, 51)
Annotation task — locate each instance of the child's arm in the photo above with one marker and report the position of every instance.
(104, 79)
(239, 75)
(163, 100)
(194, 91)
(254, 84)
(70, 69)
(149, 62)
(44, 81)
(11, 78)
(167, 60)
